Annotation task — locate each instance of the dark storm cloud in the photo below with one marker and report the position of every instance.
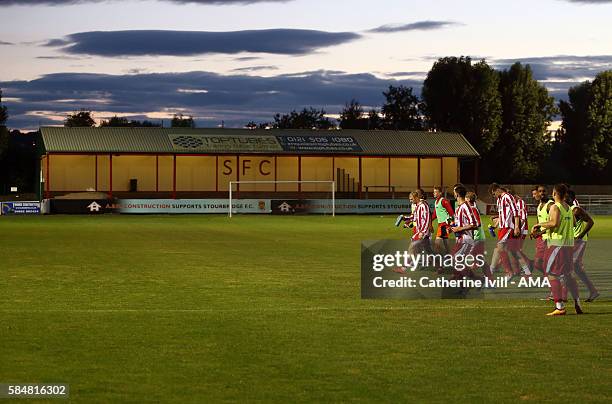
(61, 57)
(188, 43)
(210, 97)
(404, 74)
(312, 72)
(607, 59)
(414, 26)
(561, 67)
(239, 98)
(560, 73)
(71, 2)
(559, 89)
(246, 58)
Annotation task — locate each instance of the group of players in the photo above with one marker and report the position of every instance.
(560, 234)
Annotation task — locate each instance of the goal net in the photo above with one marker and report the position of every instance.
(321, 195)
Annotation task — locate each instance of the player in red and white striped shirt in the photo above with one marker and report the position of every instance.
(465, 222)
(464, 226)
(421, 216)
(421, 232)
(479, 235)
(522, 212)
(508, 221)
(517, 244)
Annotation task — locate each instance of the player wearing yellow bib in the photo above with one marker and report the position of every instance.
(540, 195)
(583, 224)
(559, 253)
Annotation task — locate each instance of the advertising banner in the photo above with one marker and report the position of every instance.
(319, 144)
(20, 208)
(343, 206)
(81, 206)
(221, 206)
(225, 144)
(260, 206)
(194, 206)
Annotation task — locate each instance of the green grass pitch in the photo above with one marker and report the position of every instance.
(263, 308)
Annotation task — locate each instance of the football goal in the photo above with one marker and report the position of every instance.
(329, 186)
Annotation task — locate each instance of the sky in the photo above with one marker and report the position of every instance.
(235, 61)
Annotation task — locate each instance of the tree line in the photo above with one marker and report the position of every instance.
(84, 118)
(18, 155)
(504, 114)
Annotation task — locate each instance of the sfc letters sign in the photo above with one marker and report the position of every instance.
(252, 168)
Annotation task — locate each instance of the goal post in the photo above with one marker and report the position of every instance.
(332, 185)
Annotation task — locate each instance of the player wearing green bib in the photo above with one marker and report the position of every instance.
(559, 266)
(443, 213)
(583, 224)
(479, 234)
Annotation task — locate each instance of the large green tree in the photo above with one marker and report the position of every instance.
(353, 116)
(585, 138)
(307, 118)
(3, 112)
(82, 118)
(4, 133)
(122, 122)
(181, 121)
(599, 117)
(459, 96)
(374, 119)
(401, 109)
(574, 138)
(528, 109)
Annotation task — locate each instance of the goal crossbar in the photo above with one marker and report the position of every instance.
(332, 183)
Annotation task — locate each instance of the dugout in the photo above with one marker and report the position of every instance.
(199, 163)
